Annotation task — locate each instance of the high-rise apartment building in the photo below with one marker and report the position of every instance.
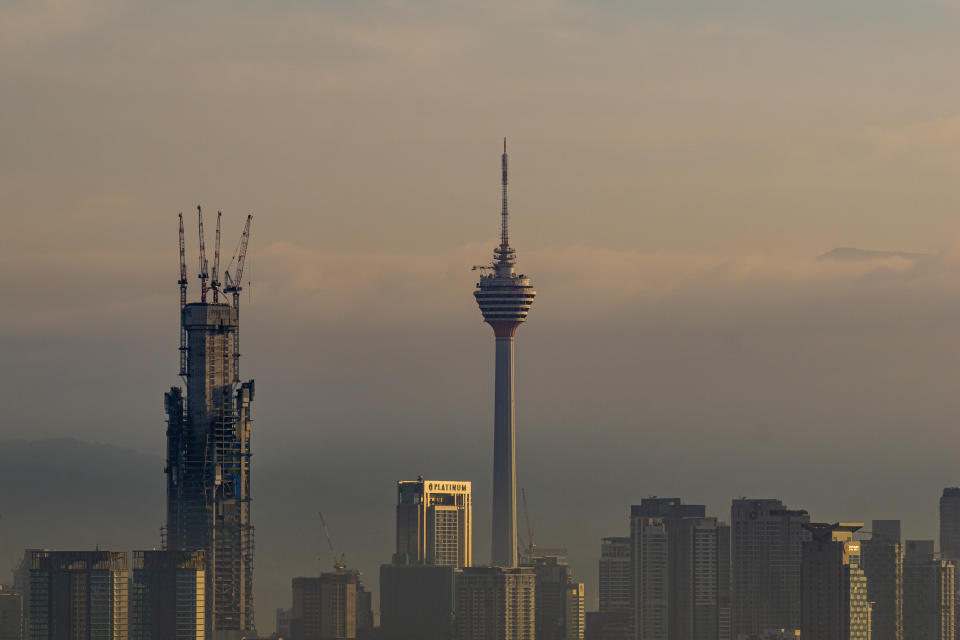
(209, 432)
(434, 522)
(766, 539)
(495, 603)
(833, 600)
(698, 570)
(929, 601)
(325, 607)
(882, 558)
(75, 595)
(11, 615)
(167, 596)
(504, 297)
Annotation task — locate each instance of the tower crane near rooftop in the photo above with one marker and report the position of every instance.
(203, 275)
(338, 564)
(215, 276)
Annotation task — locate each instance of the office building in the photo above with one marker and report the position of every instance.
(209, 444)
(833, 601)
(167, 596)
(929, 602)
(504, 297)
(883, 567)
(766, 539)
(950, 535)
(417, 601)
(76, 594)
(434, 522)
(11, 614)
(325, 607)
(283, 623)
(575, 624)
(697, 583)
(495, 603)
(650, 565)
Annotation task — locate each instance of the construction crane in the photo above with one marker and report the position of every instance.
(214, 276)
(203, 275)
(338, 564)
(234, 286)
(183, 300)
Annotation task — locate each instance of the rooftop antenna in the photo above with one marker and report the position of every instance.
(504, 233)
(203, 275)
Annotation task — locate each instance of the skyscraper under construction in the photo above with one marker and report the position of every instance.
(208, 442)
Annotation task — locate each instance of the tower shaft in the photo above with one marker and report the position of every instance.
(504, 539)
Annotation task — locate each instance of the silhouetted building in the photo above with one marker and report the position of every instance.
(364, 613)
(883, 565)
(434, 522)
(950, 536)
(766, 540)
(325, 607)
(833, 603)
(76, 594)
(559, 609)
(11, 615)
(167, 597)
(695, 591)
(928, 593)
(495, 603)
(416, 601)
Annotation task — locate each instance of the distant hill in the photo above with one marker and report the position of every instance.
(849, 254)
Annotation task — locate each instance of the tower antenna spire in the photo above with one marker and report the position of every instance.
(504, 214)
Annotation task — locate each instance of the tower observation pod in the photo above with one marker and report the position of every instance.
(504, 297)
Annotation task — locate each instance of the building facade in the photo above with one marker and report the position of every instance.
(434, 523)
(833, 602)
(766, 540)
(76, 595)
(495, 603)
(883, 567)
(417, 601)
(650, 568)
(559, 603)
(167, 595)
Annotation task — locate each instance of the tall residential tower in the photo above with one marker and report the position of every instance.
(504, 297)
(208, 444)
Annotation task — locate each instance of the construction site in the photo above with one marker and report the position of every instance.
(209, 427)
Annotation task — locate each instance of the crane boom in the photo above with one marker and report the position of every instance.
(183, 300)
(203, 275)
(214, 279)
(337, 561)
(531, 547)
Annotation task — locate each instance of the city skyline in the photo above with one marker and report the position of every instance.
(684, 176)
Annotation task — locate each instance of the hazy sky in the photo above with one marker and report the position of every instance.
(676, 168)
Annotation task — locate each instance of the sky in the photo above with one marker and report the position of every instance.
(676, 170)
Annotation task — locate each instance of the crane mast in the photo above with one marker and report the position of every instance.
(214, 279)
(234, 286)
(183, 301)
(203, 275)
